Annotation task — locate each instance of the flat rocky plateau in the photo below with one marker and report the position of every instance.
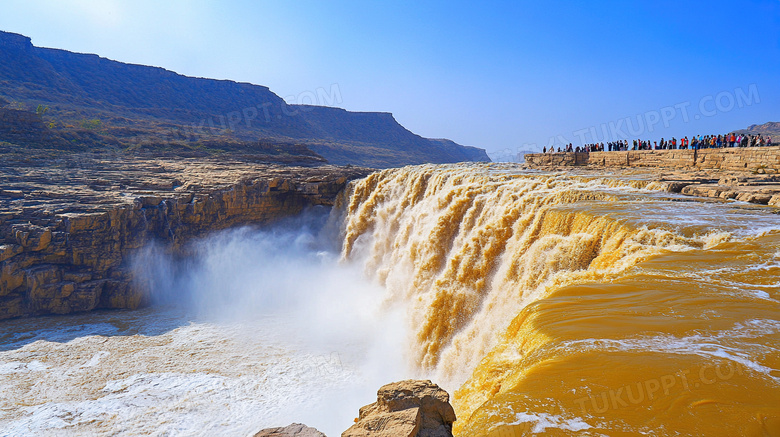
(746, 186)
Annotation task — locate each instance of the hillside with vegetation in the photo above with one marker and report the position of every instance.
(771, 128)
(85, 102)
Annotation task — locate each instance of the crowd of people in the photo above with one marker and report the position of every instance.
(695, 142)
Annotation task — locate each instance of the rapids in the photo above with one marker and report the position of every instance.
(578, 305)
(545, 303)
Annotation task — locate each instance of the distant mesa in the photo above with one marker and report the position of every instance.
(96, 102)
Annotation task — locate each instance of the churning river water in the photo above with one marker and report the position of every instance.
(546, 304)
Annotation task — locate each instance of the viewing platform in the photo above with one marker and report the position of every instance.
(764, 160)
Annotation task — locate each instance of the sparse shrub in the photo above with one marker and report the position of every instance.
(93, 124)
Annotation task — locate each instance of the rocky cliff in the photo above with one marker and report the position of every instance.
(134, 106)
(70, 225)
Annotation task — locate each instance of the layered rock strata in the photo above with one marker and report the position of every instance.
(761, 190)
(69, 226)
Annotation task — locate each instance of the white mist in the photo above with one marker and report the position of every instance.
(285, 286)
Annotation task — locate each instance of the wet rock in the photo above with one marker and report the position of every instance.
(408, 408)
(676, 186)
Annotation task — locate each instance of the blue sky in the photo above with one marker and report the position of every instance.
(498, 75)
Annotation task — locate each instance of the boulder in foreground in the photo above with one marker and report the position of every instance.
(406, 409)
(294, 430)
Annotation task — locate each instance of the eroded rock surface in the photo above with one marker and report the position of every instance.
(753, 188)
(406, 409)
(741, 186)
(294, 430)
(69, 225)
(760, 186)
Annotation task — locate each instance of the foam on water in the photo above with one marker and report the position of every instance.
(542, 421)
(198, 379)
(513, 289)
(259, 329)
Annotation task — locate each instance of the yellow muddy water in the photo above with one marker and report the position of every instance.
(553, 304)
